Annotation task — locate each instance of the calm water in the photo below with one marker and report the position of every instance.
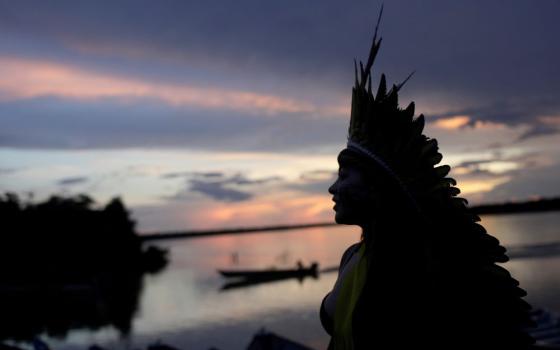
(184, 306)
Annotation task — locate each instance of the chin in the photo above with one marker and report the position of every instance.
(343, 220)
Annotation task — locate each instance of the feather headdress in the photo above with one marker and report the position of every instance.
(392, 137)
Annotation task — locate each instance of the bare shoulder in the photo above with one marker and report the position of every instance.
(348, 254)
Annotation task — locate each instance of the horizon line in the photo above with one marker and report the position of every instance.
(535, 205)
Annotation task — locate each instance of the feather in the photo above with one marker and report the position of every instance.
(382, 90)
(459, 202)
(404, 82)
(374, 45)
(430, 147)
(435, 159)
(444, 183)
(362, 76)
(478, 229)
(409, 111)
(356, 73)
(418, 125)
(442, 170)
(393, 98)
(453, 191)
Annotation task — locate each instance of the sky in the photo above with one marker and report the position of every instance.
(220, 114)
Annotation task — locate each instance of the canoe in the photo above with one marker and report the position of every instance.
(271, 273)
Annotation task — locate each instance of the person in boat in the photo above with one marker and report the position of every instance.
(425, 273)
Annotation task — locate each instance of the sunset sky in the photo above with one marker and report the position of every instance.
(231, 113)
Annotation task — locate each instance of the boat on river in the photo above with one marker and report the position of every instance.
(273, 273)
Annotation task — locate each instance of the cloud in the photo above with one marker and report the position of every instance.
(238, 200)
(550, 120)
(216, 190)
(451, 123)
(528, 183)
(69, 181)
(107, 124)
(502, 177)
(219, 186)
(205, 213)
(24, 79)
(318, 174)
(311, 39)
(241, 179)
(534, 113)
(314, 182)
(238, 187)
(183, 174)
(7, 170)
(286, 59)
(271, 77)
(499, 164)
(539, 130)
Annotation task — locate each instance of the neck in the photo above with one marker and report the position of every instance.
(369, 230)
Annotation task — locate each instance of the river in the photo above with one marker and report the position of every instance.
(184, 305)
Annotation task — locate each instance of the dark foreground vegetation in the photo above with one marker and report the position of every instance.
(66, 263)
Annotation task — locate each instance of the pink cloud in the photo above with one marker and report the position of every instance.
(452, 123)
(284, 208)
(23, 79)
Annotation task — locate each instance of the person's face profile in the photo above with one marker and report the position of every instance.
(351, 195)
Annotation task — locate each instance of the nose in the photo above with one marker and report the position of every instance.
(332, 188)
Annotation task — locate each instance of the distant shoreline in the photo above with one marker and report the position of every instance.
(229, 231)
(540, 205)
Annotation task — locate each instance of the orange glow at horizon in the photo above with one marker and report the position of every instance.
(268, 210)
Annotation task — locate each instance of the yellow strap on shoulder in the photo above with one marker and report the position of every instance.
(351, 288)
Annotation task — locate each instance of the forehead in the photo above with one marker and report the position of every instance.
(354, 162)
(349, 167)
(350, 159)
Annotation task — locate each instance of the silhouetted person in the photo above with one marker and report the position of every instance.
(424, 274)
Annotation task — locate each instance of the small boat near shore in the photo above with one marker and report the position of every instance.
(271, 274)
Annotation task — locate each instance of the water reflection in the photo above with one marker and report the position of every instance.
(542, 250)
(31, 309)
(531, 239)
(184, 305)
